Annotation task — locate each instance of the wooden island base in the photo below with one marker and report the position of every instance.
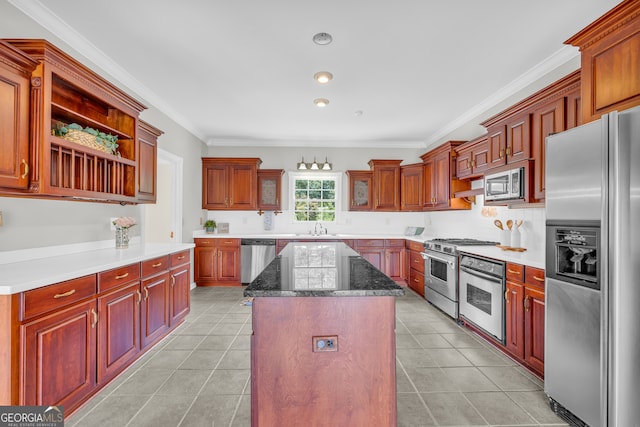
(351, 381)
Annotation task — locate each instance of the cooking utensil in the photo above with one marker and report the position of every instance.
(498, 224)
(509, 224)
(519, 223)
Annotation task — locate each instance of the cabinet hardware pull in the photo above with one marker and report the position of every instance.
(65, 294)
(146, 294)
(180, 258)
(122, 276)
(539, 279)
(26, 169)
(468, 164)
(508, 151)
(95, 318)
(506, 296)
(526, 303)
(473, 163)
(156, 265)
(513, 271)
(501, 153)
(173, 281)
(139, 296)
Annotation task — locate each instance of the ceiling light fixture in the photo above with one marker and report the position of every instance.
(323, 77)
(322, 38)
(321, 102)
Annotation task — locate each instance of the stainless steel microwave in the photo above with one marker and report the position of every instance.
(505, 185)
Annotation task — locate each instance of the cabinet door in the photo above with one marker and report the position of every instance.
(394, 263)
(534, 328)
(442, 175)
(574, 109)
(416, 281)
(54, 375)
(386, 184)
(180, 294)
(429, 184)
(155, 308)
(497, 144)
(463, 164)
(518, 139)
(270, 189)
(147, 162)
(375, 256)
(205, 264)
(411, 188)
(228, 265)
(547, 119)
(214, 186)
(14, 128)
(514, 298)
(360, 190)
(118, 330)
(242, 187)
(480, 158)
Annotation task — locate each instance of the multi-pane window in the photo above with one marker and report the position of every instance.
(315, 198)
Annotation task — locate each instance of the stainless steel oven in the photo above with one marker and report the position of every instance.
(482, 287)
(441, 272)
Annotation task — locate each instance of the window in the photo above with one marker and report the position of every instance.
(315, 196)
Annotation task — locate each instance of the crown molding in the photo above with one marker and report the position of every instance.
(249, 142)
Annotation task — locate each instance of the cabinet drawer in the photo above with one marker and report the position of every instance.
(394, 243)
(52, 297)
(154, 266)
(415, 246)
(227, 243)
(515, 272)
(205, 242)
(118, 276)
(180, 258)
(369, 243)
(534, 276)
(416, 261)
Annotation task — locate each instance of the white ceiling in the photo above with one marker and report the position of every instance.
(240, 72)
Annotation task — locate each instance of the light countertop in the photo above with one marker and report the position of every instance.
(529, 258)
(29, 274)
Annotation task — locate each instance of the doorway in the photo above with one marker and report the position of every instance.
(163, 220)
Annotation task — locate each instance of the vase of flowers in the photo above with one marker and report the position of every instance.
(123, 224)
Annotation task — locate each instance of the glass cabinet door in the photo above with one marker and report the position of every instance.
(269, 189)
(360, 190)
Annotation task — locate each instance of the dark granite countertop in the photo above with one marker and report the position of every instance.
(319, 269)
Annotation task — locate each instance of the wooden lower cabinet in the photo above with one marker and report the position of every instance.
(415, 267)
(70, 339)
(60, 356)
(155, 308)
(118, 330)
(387, 255)
(524, 302)
(217, 262)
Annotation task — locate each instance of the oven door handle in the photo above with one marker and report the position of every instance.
(480, 274)
(427, 256)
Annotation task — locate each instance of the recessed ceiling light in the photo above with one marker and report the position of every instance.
(323, 77)
(358, 113)
(322, 38)
(321, 102)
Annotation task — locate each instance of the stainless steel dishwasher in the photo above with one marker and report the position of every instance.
(255, 255)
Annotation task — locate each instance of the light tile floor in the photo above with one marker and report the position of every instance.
(199, 374)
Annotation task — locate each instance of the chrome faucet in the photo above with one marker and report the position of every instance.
(315, 229)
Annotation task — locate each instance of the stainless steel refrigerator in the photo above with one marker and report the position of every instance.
(592, 319)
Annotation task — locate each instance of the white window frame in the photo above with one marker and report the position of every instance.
(293, 176)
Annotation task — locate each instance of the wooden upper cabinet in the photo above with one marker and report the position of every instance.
(496, 145)
(15, 77)
(547, 119)
(440, 181)
(509, 141)
(386, 184)
(411, 192)
(148, 161)
(229, 183)
(270, 189)
(360, 190)
(65, 91)
(610, 48)
(472, 158)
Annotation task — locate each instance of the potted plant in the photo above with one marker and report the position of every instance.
(210, 226)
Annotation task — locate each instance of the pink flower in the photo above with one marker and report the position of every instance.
(124, 222)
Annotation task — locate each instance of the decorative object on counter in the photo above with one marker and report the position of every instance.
(87, 136)
(210, 226)
(515, 234)
(123, 224)
(413, 231)
(267, 220)
(223, 228)
(512, 249)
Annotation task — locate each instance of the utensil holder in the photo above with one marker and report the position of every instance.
(505, 237)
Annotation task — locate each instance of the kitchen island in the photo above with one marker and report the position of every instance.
(323, 343)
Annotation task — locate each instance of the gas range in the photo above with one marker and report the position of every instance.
(450, 246)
